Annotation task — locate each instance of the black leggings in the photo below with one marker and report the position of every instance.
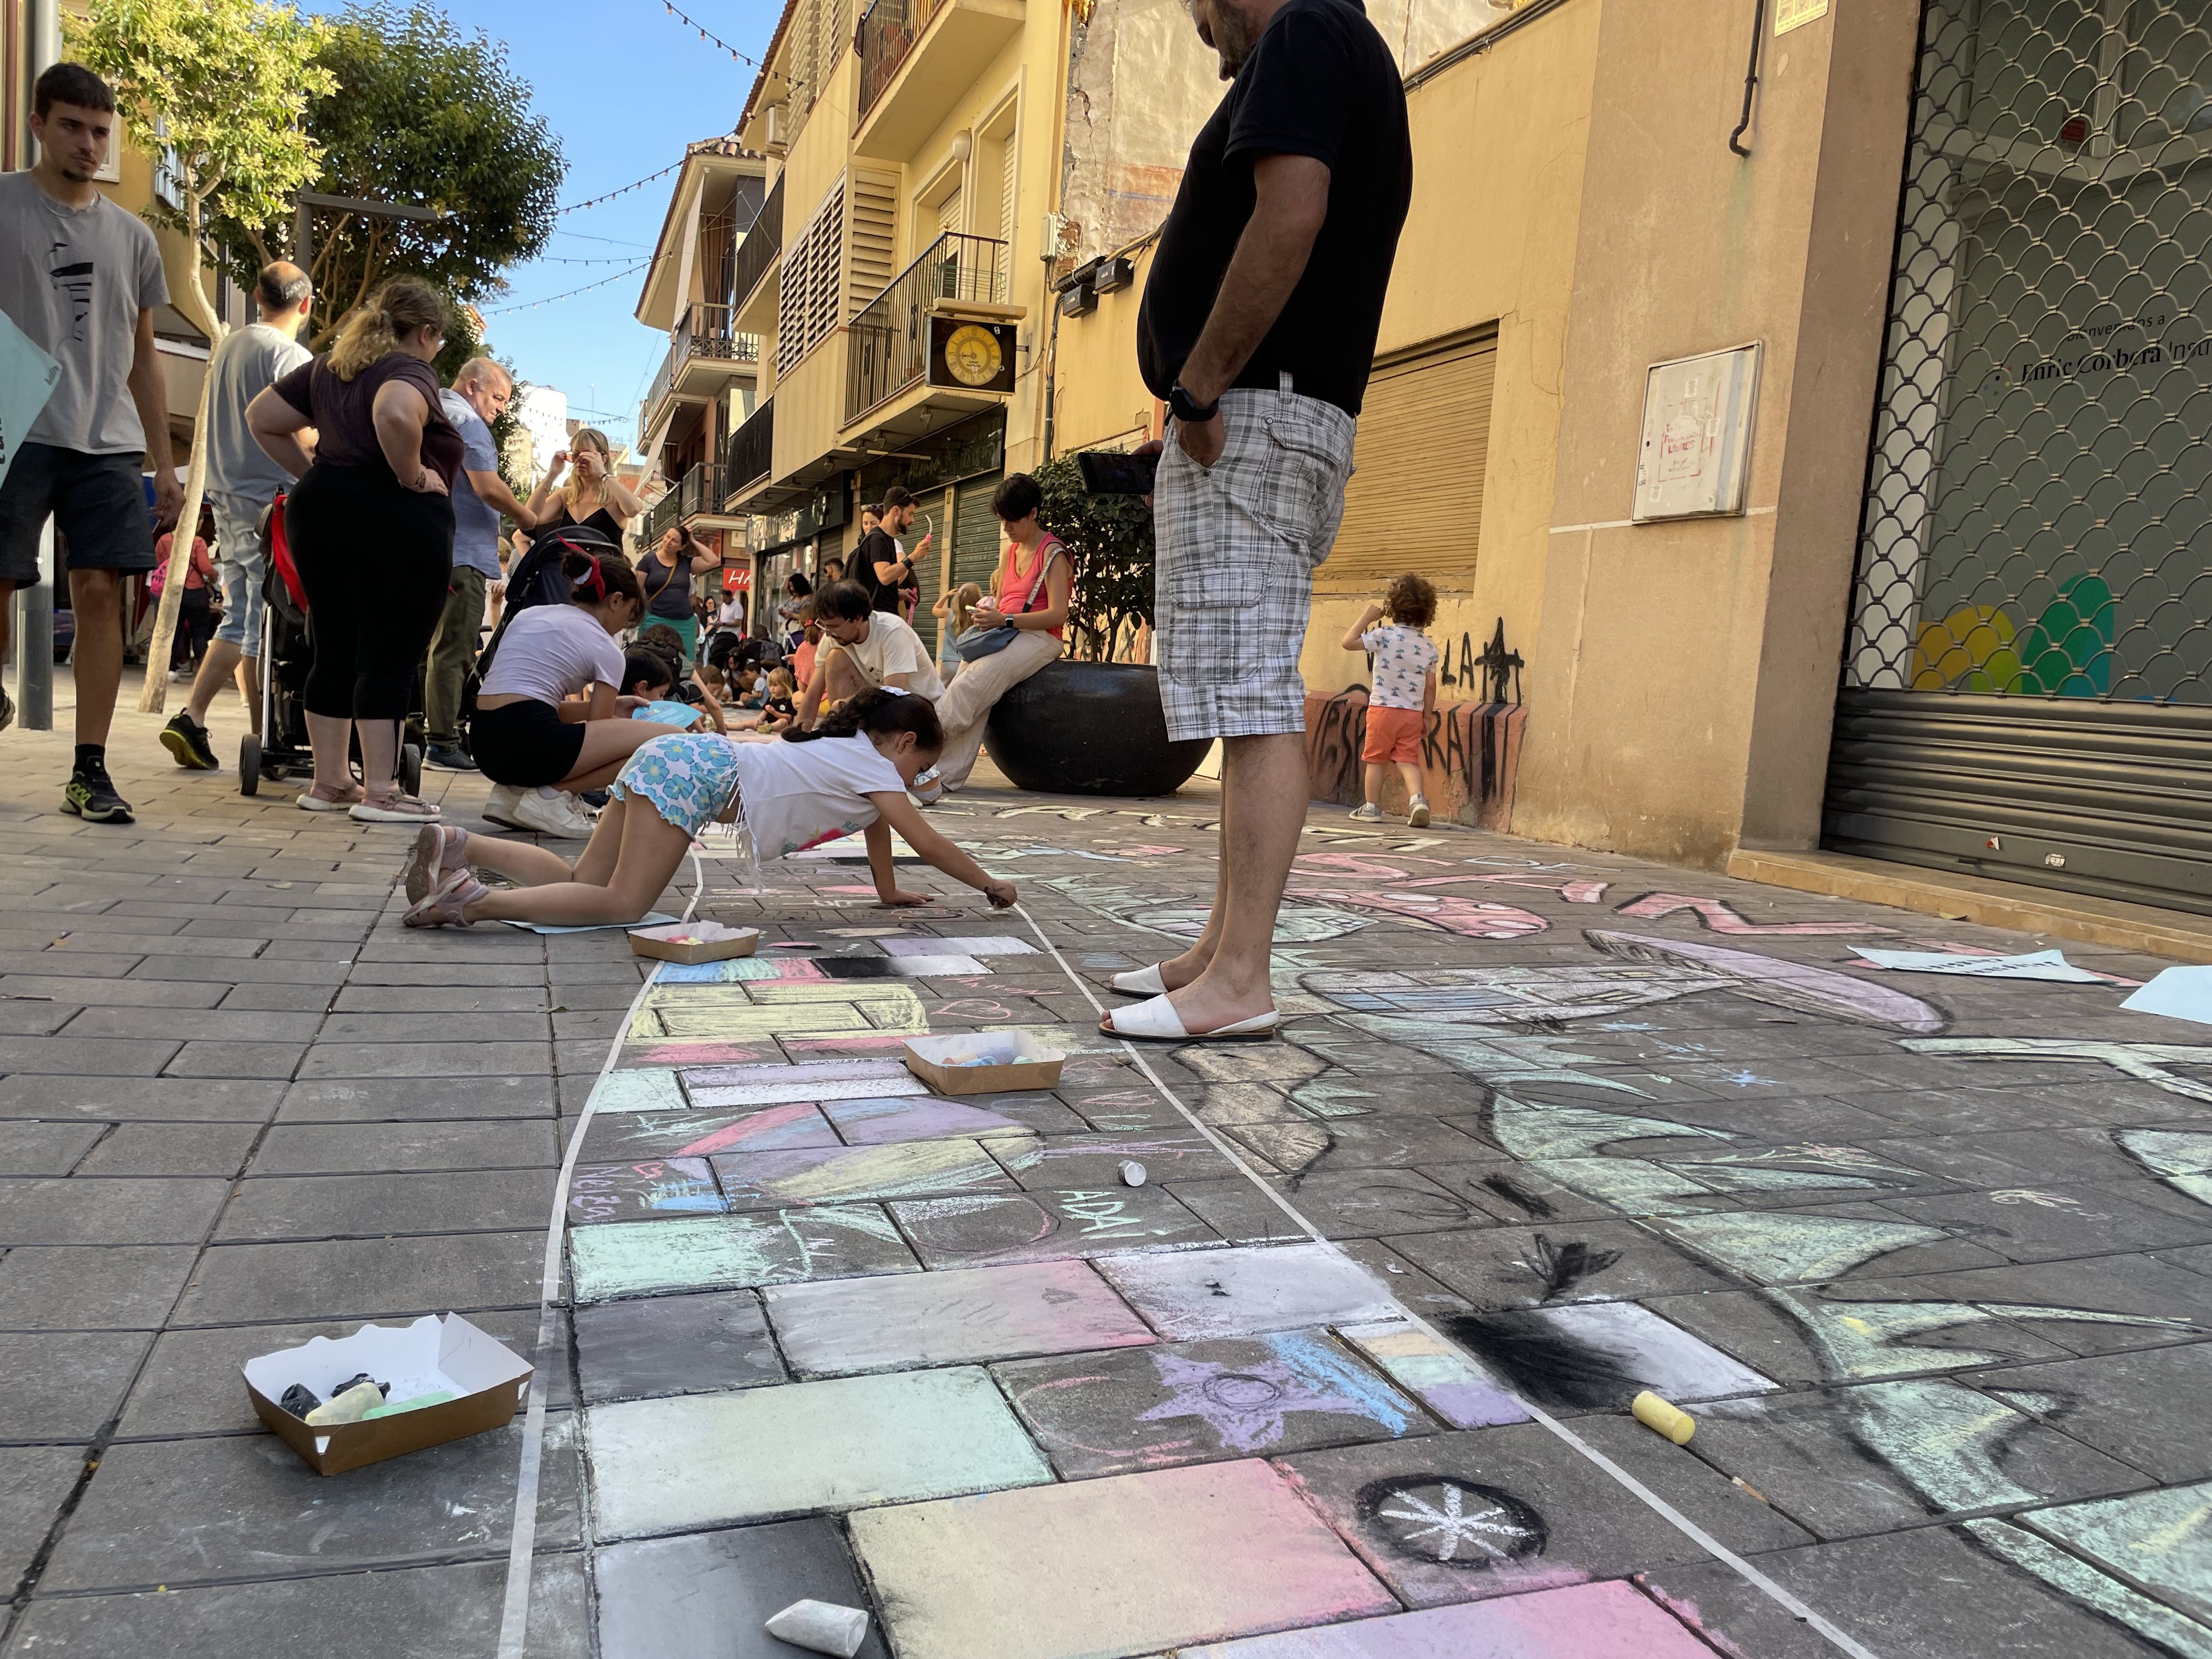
(375, 560)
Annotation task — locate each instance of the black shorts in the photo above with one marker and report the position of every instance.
(524, 744)
(98, 502)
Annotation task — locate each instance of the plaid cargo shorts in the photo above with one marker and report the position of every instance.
(1238, 545)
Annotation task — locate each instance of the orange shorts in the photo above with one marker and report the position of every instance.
(1393, 734)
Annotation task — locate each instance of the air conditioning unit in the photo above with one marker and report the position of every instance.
(775, 128)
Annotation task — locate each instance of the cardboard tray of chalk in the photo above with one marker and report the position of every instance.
(443, 1380)
(984, 1062)
(691, 942)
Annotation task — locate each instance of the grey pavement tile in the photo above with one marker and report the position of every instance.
(192, 1384)
(66, 1386)
(1558, 1262)
(172, 1149)
(238, 1060)
(351, 1060)
(2124, 1301)
(88, 918)
(89, 993)
(364, 1277)
(375, 1100)
(260, 971)
(31, 1148)
(278, 999)
(1240, 1212)
(103, 1099)
(2052, 1223)
(158, 944)
(1516, 1193)
(363, 1148)
(1373, 1203)
(419, 1613)
(452, 1000)
(196, 1025)
(674, 1345)
(33, 1016)
(92, 1287)
(423, 975)
(2043, 1106)
(711, 1592)
(1095, 1160)
(1328, 1147)
(47, 1211)
(2142, 1408)
(35, 1482)
(271, 1208)
(195, 1511)
(443, 1026)
(38, 960)
(84, 1057)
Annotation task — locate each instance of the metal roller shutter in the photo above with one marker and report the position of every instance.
(975, 539)
(1415, 498)
(928, 509)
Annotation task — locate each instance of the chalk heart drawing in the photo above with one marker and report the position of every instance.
(1449, 1522)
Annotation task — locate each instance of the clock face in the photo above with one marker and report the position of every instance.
(972, 355)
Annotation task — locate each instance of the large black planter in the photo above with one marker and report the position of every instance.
(1089, 728)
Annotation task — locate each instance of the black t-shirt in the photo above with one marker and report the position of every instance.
(878, 547)
(1320, 83)
(344, 412)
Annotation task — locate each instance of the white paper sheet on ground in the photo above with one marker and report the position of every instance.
(2178, 994)
(982, 944)
(2032, 965)
(657, 919)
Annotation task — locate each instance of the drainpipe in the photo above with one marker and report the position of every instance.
(34, 632)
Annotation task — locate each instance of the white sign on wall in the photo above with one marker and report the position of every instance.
(1696, 455)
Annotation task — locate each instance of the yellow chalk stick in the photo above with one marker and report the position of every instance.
(1656, 1414)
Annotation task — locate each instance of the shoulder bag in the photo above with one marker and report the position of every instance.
(976, 643)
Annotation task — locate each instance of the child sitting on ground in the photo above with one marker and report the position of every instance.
(650, 678)
(852, 772)
(1405, 691)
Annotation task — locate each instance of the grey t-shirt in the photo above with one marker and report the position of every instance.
(75, 280)
(476, 525)
(245, 365)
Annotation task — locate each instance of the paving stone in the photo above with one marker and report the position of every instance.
(349, 1149)
(1239, 1211)
(442, 998)
(271, 1208)
(2049, 1224)
(172, 1149)
(275, 999)
(674, 1345)
(1105, 1566)
(2139, 1407)
(66, 1386)
(35, 1482)
(116, 1211)
(1564, 1261)
(1249, 1290)
(642, 1189)
(1598, 1356)
(982, 1229)
(1332, 1145)
(955, 1317)
(699, 1460)
(884, 1119)
(71, 991)
(1589, 1621)
(180, 1512)
(1374, 1203)
(85, 1056)
(373, 1100)
(418, 1613)
(2125, 1301)
(28, 1148)
(913, 1169)
(1500, 1511)
(712, 1592)
(2156, 1538)
(153, 1099)
(626, 1136)
(191, 1383)
(1060, 1162)
(92, 1287)
(710, 1253)
(196, 1025)
(27, 1017)
(438, 1060)
(364, 1277)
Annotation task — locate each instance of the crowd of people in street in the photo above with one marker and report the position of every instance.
(829, 716)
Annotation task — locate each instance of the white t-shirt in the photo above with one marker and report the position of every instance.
(893, 648)
(553, 651)
(1403, 657)
(797, 794)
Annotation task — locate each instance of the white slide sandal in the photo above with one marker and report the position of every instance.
(1141, 983)
(1157, 1021)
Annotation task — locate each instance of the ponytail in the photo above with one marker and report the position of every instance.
(593, 580)
(880, 711)
(374, 332)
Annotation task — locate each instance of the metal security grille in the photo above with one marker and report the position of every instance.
(2037, 528)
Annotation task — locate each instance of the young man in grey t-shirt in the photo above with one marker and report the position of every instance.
(80, 278)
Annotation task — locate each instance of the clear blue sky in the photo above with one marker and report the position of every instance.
(626, 86)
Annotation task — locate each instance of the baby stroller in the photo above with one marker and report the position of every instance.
(288, 652)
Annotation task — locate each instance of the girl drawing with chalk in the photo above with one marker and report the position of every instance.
(851, 772)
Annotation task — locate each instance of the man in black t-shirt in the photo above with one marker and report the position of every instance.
(1258, 329)
(879, 564)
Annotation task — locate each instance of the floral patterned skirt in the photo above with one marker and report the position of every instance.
(690, 779)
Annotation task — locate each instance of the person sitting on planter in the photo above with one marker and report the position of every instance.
(1028, 594)
(862, 646)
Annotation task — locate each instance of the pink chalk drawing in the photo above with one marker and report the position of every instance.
(1719, 916)
(769, 1127)
(1245, 1406)
(1787, 984)
(1574, 892)
(1448, 912)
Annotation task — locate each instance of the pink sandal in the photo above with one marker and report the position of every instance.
(312, 800)
(394, 808)
(447, 905)
(440, 850)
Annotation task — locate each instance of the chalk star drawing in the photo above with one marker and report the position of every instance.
(1452, 1523)
(1245, 1406)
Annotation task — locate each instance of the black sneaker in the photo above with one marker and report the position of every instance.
(187, 739)
(91, 796)
(448, 757)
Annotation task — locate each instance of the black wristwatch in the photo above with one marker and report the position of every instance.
(1187, 409)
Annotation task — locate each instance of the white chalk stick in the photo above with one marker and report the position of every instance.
(1132, 1173)
(821, 1627)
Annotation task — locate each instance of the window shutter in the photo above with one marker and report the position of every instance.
(872, 241)
(1009, 158)
(1415, 498)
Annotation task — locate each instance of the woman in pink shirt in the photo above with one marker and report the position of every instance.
(1029, 593)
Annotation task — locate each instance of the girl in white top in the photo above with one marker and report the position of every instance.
(531, 730)
(852, 772)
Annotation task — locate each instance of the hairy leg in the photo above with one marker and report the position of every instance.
(1264, 785)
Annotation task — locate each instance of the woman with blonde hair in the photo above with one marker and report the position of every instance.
(371, 527)
(590, 497)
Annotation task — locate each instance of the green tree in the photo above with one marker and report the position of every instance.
(1110, 552)
(215, 90)
(418, 111)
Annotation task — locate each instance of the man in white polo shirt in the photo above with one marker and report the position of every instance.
(865, 647)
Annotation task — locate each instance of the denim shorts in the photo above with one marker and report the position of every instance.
(244, 564)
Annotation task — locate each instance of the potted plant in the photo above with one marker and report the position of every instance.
(1087, 725)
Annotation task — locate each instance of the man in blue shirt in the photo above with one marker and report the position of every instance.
(479, 396)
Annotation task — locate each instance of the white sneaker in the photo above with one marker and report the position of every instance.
(1365, 812)
(501, 805)
(1418, 817)
(552, 813)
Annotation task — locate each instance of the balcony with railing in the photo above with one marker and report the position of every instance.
(702, 493)
(918, 59)
(887, 348)
(757, 253)
(751, 454)
(704, 351)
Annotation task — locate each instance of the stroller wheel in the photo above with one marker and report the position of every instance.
(411, 768)
(249, 765)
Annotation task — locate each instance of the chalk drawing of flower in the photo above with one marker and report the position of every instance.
(1451, 1521)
